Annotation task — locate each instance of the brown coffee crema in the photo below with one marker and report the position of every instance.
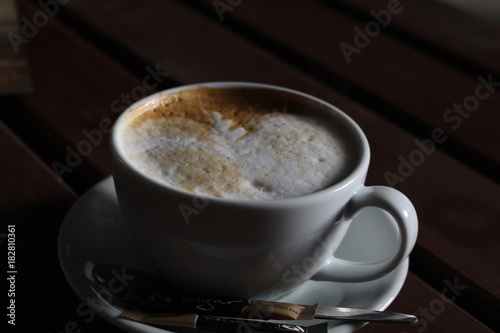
(244, 143)
(245, 107)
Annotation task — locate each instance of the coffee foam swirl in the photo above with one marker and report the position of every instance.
(234, 143)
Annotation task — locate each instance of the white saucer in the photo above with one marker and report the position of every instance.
(93, 233)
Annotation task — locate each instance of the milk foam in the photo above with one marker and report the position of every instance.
(283, 156)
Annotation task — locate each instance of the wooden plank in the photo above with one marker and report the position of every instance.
(440, 29)
(194, 59)
(35, 202)
(14, 71)
(435, 311)
(25, 179)
(80, 91)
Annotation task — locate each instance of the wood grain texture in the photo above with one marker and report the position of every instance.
(435, 311)
(443, 31)
(14, 70)
(80, 92)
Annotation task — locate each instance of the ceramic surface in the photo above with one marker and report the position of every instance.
(94, 233)
(256, 248)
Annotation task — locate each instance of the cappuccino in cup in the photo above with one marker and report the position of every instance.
(246, 190)
(238, 143)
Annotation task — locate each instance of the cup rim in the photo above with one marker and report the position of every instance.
(353, 175)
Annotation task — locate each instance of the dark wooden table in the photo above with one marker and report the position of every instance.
(421, 78)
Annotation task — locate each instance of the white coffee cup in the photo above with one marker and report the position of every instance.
(254, 248)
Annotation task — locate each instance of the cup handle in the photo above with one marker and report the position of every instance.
(401, 209)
